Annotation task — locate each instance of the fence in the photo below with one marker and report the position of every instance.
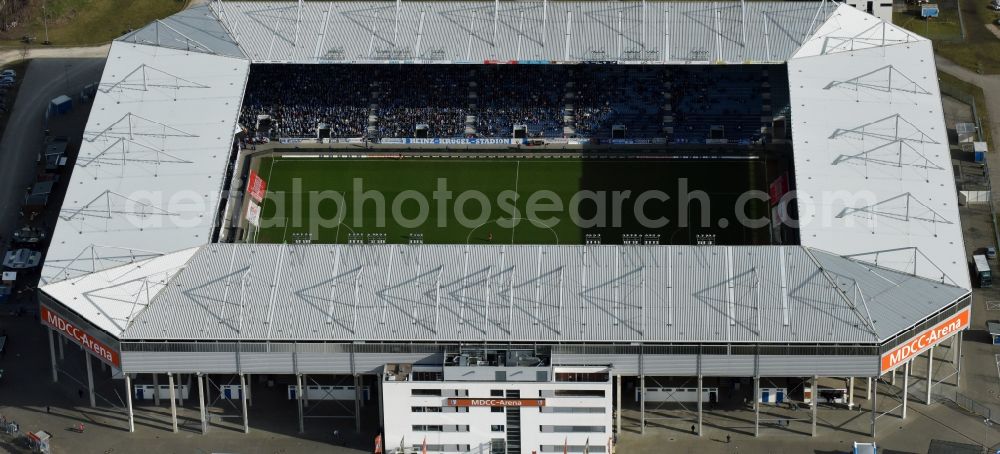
(965, 402)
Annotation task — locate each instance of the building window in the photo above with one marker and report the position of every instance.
(427, 428)
(571, 429)
(594, 410)
(572, 393)
(496, 428)
(441, 448)
(427, 376)
(425, 409)
(425, 392)
(573, 448)
(597, 377)
(456, 409)
(496, 393)
(497, 409)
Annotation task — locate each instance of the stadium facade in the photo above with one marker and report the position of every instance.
(509, 348)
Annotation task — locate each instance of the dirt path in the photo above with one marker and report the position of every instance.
(9, 55)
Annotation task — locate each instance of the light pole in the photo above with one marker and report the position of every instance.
(987, 423)
(45, 22)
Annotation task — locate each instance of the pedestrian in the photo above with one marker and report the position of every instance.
(728, 439)
(79, 392)
(48, 409)
(692, 429)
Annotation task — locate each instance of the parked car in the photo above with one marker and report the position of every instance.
(991, 252)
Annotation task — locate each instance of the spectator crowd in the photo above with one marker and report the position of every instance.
(376, 101)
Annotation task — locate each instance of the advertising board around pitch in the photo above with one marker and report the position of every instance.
(256, 186)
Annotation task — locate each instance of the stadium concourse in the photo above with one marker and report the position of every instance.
(511, 348)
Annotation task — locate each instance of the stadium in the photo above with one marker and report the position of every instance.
(484, 219)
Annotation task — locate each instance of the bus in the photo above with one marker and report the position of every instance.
(983, 271)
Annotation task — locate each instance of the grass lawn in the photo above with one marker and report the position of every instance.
(944, 27)
(981, 49)
(507, 218)
(82, 22)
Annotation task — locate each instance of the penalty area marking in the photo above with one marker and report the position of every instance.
(532, 221)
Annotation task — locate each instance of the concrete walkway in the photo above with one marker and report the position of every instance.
(10, 54)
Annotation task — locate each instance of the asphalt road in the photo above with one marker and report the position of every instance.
(43, 80)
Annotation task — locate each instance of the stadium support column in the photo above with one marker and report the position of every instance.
(868, 389)
(958, 359)
(156, 389)
(756, 408)
(906, 386)
(173, 402)
(302, 389)
(381, 410)
(201, 403)
(642, 395)
(874, 401)
(52, 354)
(128, 402)
(300, 400)
(62, 348)
(642, 404)
(357, 403)
(90, 379)
(930, 374)
(850, 393)
(815, 402)
(618, 405)
(701, 402)
(243, 397)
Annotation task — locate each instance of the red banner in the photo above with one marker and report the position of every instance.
(925, 340)
(778, 188)
(496, 402)
(256, 187)
(68, 329)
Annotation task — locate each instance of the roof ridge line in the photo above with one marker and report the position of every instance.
(850, 304)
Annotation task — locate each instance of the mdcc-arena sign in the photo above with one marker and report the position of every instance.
(496, 402)
(78, 335)
(925, 340)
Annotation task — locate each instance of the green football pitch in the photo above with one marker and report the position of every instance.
(506, 201)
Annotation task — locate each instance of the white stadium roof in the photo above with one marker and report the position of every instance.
(872, 164)
(150, 170)
(131, 252)
(476, 31)
(282, 292)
